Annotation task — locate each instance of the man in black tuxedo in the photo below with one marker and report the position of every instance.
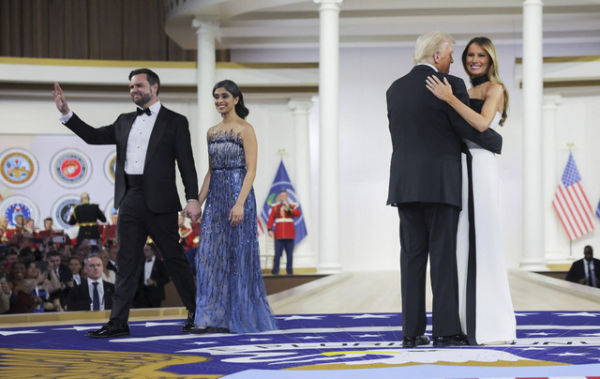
(151, 290)
(426, 184)
(93, 294)
(148, 141)
(587, 270)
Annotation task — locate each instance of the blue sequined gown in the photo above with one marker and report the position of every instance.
(230, 291)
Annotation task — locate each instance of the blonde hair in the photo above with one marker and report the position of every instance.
(492, 72)
(428, 44)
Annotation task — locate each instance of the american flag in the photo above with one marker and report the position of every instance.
(598, 210)
(571, 204)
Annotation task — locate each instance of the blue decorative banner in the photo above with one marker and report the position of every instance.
(282, 182)
(18, 205)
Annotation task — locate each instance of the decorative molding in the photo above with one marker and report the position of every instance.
(571, 59)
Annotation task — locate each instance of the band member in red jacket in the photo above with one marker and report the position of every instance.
(281, 219)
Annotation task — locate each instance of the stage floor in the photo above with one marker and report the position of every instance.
(343, 326)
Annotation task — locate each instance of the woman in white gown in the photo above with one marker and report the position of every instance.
(486, 310)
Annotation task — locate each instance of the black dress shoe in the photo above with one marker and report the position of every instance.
(109, 330)
(189, 323)
(209, 330)
(457, 340)
(202, 330)
(415, 341)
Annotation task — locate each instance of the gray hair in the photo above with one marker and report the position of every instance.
(428, 44)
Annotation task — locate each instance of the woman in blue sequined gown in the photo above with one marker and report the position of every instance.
(230, 293)
(485, 305)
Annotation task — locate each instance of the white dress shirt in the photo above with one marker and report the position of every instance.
(77, 279)
(148, 269)
(100, 293)
(137, 144)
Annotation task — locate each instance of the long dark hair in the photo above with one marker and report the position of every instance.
(234, 90)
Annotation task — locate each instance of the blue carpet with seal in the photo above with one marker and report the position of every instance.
(550, 344)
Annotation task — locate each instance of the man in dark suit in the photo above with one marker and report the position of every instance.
(587, 270)
(93, 294)
(151, 290)
(86, 215)
(149, 142)
(425, 184)
(54, 264)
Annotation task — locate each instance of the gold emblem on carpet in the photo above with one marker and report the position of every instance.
(44, 363)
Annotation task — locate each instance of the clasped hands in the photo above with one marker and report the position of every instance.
(193, 210)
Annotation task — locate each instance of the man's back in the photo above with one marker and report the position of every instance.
(425, 164)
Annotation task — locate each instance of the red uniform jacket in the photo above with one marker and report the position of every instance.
(283, 220)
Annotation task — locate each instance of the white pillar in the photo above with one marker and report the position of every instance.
(533, 194)
(205, 78)
(304, 255)
(552, 250)
(329, 186)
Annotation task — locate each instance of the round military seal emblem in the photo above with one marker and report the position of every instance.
(110, 166)
(18, 168)
(63, 209)
(71, 168)
(18, 205)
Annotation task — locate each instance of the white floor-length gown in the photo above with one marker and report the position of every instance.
(494, 313)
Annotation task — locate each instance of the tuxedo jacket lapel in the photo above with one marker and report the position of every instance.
(124, 135)
(157, 132)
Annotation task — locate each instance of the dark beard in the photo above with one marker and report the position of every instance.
(143, 100)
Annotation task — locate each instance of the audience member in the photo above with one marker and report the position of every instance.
(21, 300)
(587, 270)
(55, 265)
(93, 294)
(20, 223)
(113, 251)
(3, 230)
(4, 267)
(44, 283)
(30, 225)
(49, 224)
(107, 274)
(5, 295)
(151, 290)
(75, 268)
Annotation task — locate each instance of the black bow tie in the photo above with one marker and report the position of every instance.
(140, 111)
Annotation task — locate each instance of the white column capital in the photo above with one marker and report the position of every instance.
(329, 4)
(200, 23)
(552, 101)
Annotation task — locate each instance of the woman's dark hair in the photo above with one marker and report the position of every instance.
(234, 90)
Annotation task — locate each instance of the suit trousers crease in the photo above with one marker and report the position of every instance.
(136, 222)
(429, 228)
